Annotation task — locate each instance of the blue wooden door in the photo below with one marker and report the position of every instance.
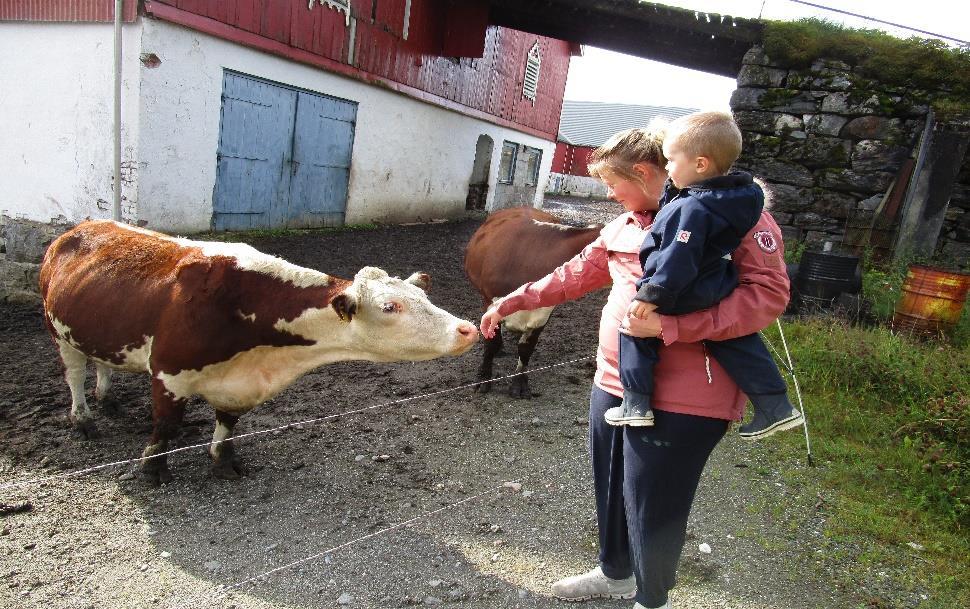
(283, 158)
(322, 146)
(254, 146)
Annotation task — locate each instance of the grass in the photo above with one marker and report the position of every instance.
(890, 421)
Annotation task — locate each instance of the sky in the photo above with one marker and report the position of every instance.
(605, 76)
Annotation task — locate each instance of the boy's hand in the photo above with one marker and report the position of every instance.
(640, 309)
(490, 320)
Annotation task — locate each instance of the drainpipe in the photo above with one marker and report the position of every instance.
(116, 213)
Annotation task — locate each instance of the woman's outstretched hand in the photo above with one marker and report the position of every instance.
(490, 321)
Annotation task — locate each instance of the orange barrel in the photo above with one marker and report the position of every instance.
(932, 299)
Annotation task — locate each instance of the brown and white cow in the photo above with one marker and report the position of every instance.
(515, 246)
(222, 321)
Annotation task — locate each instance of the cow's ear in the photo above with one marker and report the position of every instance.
(422, 280)
(345, 306)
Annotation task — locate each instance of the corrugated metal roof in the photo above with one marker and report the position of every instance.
(592, 123)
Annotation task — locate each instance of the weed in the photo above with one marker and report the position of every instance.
(890, 420)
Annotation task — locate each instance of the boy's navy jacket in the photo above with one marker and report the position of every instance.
(683, 255)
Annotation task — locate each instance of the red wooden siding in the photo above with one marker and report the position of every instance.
(559, 158)
(65, 10)
(571, 159)
(491, 83)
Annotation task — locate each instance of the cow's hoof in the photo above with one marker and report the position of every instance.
(85, 429)
(520, 391)
(157, 476)
(228, 470)
(482, 387)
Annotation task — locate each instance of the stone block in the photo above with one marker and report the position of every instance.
(26, 240)
(779, 171)
(800, 103)
(833, 204)
(758, 121)
(817, 152)
(760, 76)
(875, 155)
(787, 122)
(756, 56)
(869, 204)
(867, 128)
(746, 98)
(840, 103)
(824, 124)
(814, 221)
(852, 181)
(816, 239)
(786, 198)
(761, 145)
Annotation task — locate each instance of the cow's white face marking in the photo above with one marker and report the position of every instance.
(393, 321)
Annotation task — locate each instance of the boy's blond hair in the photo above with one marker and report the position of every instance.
(714, 135)
(627, 148)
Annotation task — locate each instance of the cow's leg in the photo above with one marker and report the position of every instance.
(226, 465)
(167, 410)
(75, 363)
(519, 386)
(492, 347)
(107, 403)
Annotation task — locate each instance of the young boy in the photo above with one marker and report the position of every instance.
(686, 257)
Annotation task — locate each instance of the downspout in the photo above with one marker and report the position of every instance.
(116, 212)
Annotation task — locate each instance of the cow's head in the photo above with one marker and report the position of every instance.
(390, 319)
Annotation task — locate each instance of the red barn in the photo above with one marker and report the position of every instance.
(583, 127)
(247, 114)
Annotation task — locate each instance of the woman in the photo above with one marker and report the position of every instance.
(645, 477)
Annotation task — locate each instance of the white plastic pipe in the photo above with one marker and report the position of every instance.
(116, 213)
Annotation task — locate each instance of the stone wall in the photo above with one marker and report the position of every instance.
(22, 247)
(830, 143)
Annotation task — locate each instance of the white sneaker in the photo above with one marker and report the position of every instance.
(666, 605)
(594, 585)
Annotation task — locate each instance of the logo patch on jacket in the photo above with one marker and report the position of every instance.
(683, 236)
(766, 241)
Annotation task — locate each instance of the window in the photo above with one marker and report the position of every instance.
(531, 83)
(506, 166)
(533, 157)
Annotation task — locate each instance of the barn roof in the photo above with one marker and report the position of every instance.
(586, 123)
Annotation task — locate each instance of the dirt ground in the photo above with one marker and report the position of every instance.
(322, 495)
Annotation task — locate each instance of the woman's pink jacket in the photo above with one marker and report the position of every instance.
(686, 380)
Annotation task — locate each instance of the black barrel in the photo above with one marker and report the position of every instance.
(822, 276)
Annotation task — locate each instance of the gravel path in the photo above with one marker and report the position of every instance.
(327, 496)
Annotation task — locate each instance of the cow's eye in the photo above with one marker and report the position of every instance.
(391, 307)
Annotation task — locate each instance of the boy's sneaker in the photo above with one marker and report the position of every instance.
(634, 411)
(594, 585)
(666, 605)
(771, 414)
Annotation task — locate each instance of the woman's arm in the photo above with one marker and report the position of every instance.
(761, 296)
(585, 272)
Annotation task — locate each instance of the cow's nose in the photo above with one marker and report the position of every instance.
(468, 331)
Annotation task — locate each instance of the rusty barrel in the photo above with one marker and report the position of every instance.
(932, 299)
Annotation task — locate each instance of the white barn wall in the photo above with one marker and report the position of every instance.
(411, 160)
(56, 120)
